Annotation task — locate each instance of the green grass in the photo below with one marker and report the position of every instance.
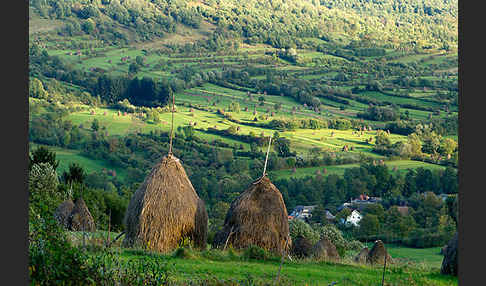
(295, 272)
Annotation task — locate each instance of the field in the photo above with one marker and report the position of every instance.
(419, 266)
(401, 167)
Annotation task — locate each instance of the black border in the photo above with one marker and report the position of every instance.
(15, 143)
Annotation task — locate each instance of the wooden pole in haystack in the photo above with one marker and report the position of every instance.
(172, 124)
(266, 158)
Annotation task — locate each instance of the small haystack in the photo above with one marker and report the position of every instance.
(324, 249)
(257, 217)
(449, 263)
(301, 247)
(165, 210)
(80, 218)
(362, 256)
(377, 254)
(63, 212)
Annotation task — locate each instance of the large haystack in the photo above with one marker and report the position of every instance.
(324, 249)
(63, 212)
(165, 210)
(362, 256)
(80, 218)
(257, 217)
(449, 263)
(377, 254)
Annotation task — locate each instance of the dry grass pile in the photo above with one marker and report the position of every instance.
(63, 212)
(166, 210)
(377, 254)
(257, 217)
(449, 263)
(324, 249)
(80, 218)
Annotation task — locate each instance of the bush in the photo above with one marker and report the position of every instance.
(184, 252)
(52, 259)
(298, 228)
(336, 237)
(255, 252)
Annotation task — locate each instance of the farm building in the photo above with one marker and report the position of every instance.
(302, 212)
(360, 203)
(353, 219)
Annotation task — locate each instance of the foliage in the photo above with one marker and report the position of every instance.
(300, 228)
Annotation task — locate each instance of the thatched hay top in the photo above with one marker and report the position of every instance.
(362, 256)
(257, 217)
(324, 249)
(165, 209)
(80, 218)
(63, 212)
(377, 254)
(449, 262)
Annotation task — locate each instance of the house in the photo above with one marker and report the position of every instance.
(329, 216)
(353, 219)
(403, 210)
(360, 203)
(301, 212)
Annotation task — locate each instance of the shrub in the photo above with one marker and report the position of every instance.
(298, 228)
(255, 252)
(184, 252)
(332, 233)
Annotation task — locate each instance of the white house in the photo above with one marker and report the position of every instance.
(354, 218)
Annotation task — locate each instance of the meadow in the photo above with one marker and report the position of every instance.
(410, 267)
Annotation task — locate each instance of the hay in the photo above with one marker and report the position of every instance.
(258, 216)
(377, 254)
(63, 212)
(324, 249)
(449, 262)
(165, 210)
(80, 218)
(362, 256)
(301, 247)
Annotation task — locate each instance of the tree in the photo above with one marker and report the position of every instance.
(382, 139)
(76, 174)
(95, 125)
(448, 146)
(415, 144)
(133, 68)
(369, 225)
(282, 147)
(36, 89)
(188, 131)
(43, 155)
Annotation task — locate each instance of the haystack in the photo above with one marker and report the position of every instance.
(449, 263)
(80, 218)
(377, 254)
(324, 249)
(165, 210)
(63, 212)
(257, 217)
(362, 256)
(301, 247)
